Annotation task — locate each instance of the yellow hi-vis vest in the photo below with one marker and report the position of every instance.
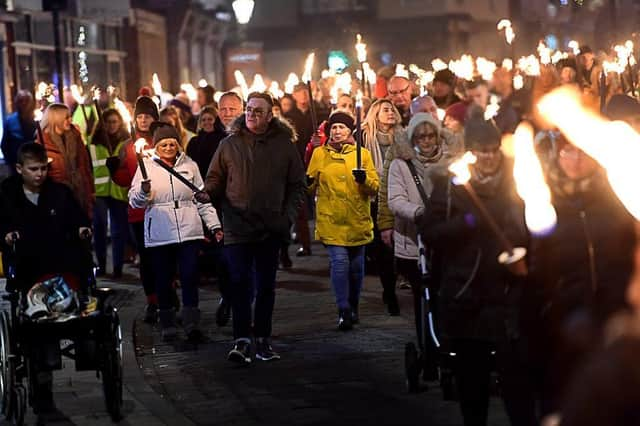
(78, 119)
(105, 186)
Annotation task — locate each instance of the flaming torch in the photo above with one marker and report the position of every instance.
(80, 99)
(242, 82)
(306, 77)
(359, 130)
(587, 130)
(539, 213)
(361, 50)
(139, 146)
(96, 99)
(512, 256)
(126, 116)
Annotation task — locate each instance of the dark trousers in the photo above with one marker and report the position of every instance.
(184, 257)
(117, 213)
(472, 369)
(252, 264)
(146, 264)
(409, 269)
(382, 257)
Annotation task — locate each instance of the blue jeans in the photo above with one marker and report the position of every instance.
(165, 259)
(117, 211)
(347, 274)
(252, 268)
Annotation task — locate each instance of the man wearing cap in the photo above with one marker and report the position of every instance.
(478, 296)
(444, 83)
(123, 170)
(256, 181)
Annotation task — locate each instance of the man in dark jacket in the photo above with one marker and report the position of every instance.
(19, 128)
(256, 179)
(477, 294)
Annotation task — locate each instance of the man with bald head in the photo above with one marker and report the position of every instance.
(399, 93)
(426, 104)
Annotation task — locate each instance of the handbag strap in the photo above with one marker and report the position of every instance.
(416, 179)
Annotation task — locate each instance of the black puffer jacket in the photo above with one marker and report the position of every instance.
(49, 241)
(477, 296)
(204, 145)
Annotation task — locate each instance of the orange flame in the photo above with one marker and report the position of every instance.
(460, 168)
(540, 215)
(587, 130)
(308, 66)
(509, 34)
(123, 110)
(361, 49)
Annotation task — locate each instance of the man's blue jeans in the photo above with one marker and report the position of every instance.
(347, 273)
(252, 264)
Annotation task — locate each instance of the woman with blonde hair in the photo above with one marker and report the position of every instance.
(382, 126)
(170, 115)
(69, 159)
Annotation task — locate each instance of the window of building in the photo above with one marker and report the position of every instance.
(25, 72)
(21, 30)
(112, 38)
(42, 29)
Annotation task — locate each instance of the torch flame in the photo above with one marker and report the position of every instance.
(509, 34)
(485, 68)
(291, 82)
(539, 213)
(401, 71)
(361, 49)
(123, 110)
(155, 83)
(308, 66)
(530, 65)
(463, 68)
(441, 113)
(518, 82)
(575, 46)
(275, 89)
(359, 98)
(77, 96)
(258, 84)
(139, 145)
(242, 82)
(191, 92)
(334, 93)
(492, 109)
(460, 168)
(507, 64)
(96, 93)
(202, 83)
(545, 53)
(587, 131)
(438, 64)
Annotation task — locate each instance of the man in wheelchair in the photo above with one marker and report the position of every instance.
(42, 225)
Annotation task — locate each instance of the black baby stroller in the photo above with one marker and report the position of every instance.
(48, 320)
(428, 358)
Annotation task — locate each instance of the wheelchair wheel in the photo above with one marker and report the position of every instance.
(112, 367)
(7, 368)
(412, 367)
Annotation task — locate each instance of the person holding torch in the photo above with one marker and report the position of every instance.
(478, 295)
(343, 191)
(173, 227)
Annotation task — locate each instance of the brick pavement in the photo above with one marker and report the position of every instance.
(325, 377)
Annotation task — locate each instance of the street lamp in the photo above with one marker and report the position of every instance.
(243, 10)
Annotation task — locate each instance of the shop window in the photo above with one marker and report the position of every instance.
(115, 77)
(45, 65)
(25, 72)
(21, 31)
(112, 38)
(42, 26)
(88, 35)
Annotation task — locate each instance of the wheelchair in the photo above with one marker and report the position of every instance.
(92, 338)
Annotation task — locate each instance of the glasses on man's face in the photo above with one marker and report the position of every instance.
(398, 92)
(425, 136)
(258, 112)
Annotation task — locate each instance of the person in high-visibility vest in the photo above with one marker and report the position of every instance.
(106, 151)
(86, 118)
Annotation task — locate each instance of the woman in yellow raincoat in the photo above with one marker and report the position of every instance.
(343, 216)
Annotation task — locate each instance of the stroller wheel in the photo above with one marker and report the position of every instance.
(447, 385)
(412, 367)
(7, 369)
(19, 396)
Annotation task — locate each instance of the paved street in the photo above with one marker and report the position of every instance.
(325, 376)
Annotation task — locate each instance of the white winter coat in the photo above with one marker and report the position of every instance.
(404, 199)
(172, 215)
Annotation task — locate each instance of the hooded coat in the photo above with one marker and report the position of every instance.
(172, 215)
(404, 198)
(257, 182)
(343, 207)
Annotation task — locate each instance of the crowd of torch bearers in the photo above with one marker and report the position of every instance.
(578, 123)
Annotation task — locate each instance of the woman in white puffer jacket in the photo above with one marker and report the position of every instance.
(173, 227)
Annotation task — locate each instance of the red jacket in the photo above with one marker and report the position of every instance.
(323, 139)
(70, 164)
(123, 176)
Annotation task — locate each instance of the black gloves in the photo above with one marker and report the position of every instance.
(113, 163)
(359, 175)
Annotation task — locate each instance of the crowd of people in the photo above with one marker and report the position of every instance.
(252, 170)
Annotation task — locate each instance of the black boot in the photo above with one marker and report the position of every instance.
(355, 317)
(223, 313)
(191, 324)
(345, 322)
(392, 304)
(168, 324)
